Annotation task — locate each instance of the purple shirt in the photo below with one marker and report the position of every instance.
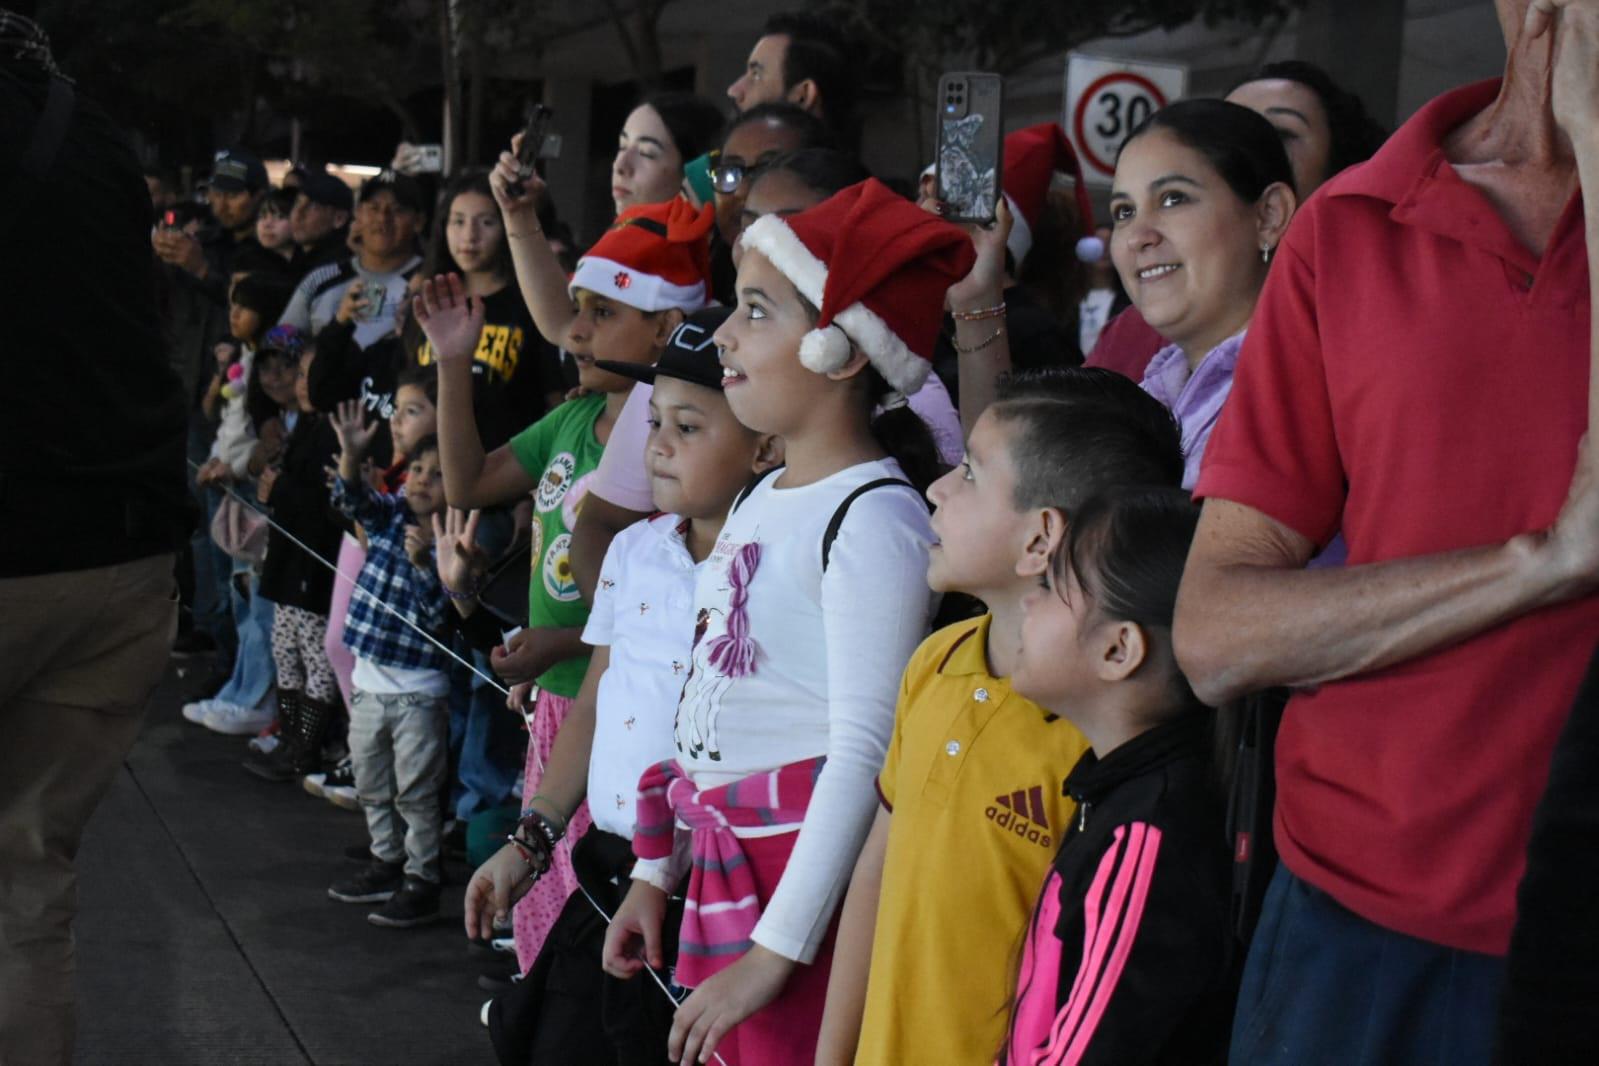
(1196, 398)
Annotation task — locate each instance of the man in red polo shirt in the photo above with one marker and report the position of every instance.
(1417, 375)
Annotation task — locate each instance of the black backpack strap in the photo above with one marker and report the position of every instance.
(837, 521)
(744, 493)
(34, 166)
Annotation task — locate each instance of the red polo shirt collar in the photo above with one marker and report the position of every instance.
(1411, 172)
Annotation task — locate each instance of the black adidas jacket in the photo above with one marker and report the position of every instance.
(1130, 956)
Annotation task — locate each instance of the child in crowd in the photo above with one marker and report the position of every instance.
(298, 584)
(238, 708)
(642, 630)
(272, 229)
(972, 809)
(399, 719)
(631, 291)
(1130, 956)
(809, 607)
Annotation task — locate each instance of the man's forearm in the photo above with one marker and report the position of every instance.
(1241, 627)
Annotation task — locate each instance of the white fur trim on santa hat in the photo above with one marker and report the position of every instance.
(631, 286)
(1020, 241)
(819, 350)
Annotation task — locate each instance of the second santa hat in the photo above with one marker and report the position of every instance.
(876, 267)
(654, 257)
(1033, 156)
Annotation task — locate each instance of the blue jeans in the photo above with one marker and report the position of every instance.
(484, 738)
(252, 618)
(1323, 985)
(212, 565)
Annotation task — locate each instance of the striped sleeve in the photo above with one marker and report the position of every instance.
(1109, 983)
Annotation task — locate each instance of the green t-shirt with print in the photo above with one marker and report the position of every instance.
(561, 451)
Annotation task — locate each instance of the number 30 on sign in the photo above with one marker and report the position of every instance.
(1106, 99)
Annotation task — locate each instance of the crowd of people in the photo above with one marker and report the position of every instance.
(838, 635)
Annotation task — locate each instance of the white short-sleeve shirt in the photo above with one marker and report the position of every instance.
(644, 612)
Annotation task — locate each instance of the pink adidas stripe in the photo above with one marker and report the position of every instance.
(1131, 869)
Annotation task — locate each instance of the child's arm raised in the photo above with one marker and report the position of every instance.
(453, 323)
(852, 957)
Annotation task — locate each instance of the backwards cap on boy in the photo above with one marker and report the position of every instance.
(877, 267)
(654, 257)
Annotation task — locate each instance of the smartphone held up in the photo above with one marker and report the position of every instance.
(539, 142)
(971, 141)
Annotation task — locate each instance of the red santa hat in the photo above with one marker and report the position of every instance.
(877, 267)
(654, 257)
(1033, 156)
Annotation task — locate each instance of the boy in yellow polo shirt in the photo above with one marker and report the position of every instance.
(972, 800)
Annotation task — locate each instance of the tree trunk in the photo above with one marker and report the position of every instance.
(476, 90)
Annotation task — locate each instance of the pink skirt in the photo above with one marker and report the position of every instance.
(536, 912)
(784, 1032)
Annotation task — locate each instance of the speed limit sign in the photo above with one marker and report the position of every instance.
(1106, 99)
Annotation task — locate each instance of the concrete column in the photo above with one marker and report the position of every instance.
(1360, 43)
(572, 99)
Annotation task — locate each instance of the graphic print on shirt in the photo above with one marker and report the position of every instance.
(1022, 813)
(701, 703)
(554, 484)
(558, 579)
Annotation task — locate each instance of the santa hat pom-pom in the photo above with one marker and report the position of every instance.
(823, 351)
(1090, 250)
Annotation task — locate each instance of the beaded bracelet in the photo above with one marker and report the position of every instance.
(529, 811)
(980, 314)
(984, 343)
(544, 831)
(472, 595)
(537, 862)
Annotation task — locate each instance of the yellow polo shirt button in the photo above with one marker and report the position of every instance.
(952, 748)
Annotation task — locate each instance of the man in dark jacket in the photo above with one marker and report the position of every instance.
(93, 504)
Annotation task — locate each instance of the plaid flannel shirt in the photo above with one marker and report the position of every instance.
(388, 575)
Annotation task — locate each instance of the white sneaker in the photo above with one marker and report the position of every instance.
(195, 712)
(483, 1015)
(232, 720)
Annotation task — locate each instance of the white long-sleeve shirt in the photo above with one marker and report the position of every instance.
(831, 648)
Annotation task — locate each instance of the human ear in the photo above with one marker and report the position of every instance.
(768, 453)
(857, 362)
(1048, 529)
(666, 323)
(1273, 211)
(803, 95)
(1123, 648)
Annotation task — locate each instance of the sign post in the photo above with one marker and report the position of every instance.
(1106, 99)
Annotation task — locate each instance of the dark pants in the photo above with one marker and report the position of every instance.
(1324, 985)
(80, 653)
(567, 1010)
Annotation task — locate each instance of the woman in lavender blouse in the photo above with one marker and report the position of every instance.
(1203, 195)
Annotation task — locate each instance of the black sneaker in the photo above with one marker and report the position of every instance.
(417, 903)
(377, 882)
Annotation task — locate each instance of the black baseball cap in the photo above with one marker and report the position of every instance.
(689, 356)
(407, 191)
(237, 169)
(320, 187)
